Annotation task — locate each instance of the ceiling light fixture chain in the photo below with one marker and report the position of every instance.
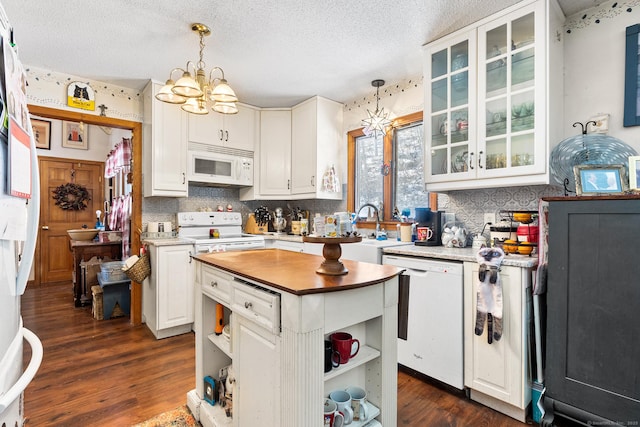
(194, 93)
(377, 121)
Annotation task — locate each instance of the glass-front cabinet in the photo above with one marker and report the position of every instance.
(489, 97)
(449, 104)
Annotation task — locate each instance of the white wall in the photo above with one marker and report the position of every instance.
(594, 68)
(49, 89)
(99, 143)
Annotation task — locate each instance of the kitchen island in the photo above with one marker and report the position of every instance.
(280, 312)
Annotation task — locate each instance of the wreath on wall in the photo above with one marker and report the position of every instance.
(71, 196)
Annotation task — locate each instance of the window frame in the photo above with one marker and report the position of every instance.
(387, 184)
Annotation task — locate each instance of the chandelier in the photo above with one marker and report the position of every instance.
(195, 91)
(377, 121)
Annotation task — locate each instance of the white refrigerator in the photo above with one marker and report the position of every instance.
(19, 211)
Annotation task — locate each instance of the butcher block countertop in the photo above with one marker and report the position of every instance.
(295, 272)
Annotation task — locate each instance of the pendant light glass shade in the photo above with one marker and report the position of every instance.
(225, 107)
(196, 106)
(186, 86)
(166, 94)
(222, 92)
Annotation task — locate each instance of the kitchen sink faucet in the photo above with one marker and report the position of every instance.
(375, 209)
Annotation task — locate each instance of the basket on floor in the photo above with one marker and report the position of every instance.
(140, 270)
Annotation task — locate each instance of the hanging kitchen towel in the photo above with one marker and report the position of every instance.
(489, 295)
(540, 279)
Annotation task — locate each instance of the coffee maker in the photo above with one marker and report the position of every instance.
(425, 217)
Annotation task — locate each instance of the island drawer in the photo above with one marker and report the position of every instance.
(217, 285)
(260, 305)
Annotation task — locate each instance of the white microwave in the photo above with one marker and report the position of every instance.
(211, 165)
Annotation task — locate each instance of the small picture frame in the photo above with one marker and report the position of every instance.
(42, 133)
(598, 180)
(74, 135)
(634, 172)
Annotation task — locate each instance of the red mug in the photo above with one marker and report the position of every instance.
(332, 417)
(343, 343)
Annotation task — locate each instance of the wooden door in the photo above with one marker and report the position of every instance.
(53, 256)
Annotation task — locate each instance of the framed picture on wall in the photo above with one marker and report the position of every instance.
(634, 172)
(632, 77)
(74, 135)
(42, 133)
(592, 180)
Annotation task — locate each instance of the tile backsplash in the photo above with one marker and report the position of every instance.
(469, 206)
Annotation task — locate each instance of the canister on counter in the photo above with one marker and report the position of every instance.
(331, 226)
(318, 225)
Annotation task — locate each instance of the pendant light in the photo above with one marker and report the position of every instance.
(378, 120)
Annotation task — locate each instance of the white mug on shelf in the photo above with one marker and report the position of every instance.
(359, 403)
(343, 400)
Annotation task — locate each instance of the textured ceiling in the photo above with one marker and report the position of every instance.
(275, 53)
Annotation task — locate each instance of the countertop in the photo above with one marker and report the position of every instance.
(168, 242)
(295, 272)
(286, 237)
(458, 254)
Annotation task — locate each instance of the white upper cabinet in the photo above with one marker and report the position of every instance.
(239, 131)
(316, 137)
(164, 136)
(493, 100)
(299, 152)
(275, 153)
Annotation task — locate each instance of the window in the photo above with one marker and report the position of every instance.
(389, 170)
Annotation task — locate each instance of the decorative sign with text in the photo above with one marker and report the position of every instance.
(81, 95)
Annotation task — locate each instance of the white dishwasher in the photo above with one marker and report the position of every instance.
(430, 317)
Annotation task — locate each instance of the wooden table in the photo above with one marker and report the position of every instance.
(84, 250)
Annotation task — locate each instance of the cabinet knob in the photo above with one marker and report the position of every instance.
(480, 159)
(288, 184)
(184, 177)
(214, 283)
(221, 134)
(313, 180)
(247, 305)
(471, 161)
(226, 133)
(45, 227)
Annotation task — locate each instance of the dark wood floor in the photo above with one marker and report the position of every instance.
(108, 373)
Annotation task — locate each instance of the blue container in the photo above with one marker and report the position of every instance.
(423, 215)
(537, 393)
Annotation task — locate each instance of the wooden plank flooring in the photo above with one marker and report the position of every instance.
(108, 373)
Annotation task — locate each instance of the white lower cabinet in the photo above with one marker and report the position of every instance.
(497, 374)
(277, 350)
(257, 391)
(167, 294)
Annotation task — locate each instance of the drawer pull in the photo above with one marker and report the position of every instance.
(248, 305)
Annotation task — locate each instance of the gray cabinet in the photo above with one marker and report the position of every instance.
(593, 301)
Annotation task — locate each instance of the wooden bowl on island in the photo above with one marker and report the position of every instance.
(86, 234)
